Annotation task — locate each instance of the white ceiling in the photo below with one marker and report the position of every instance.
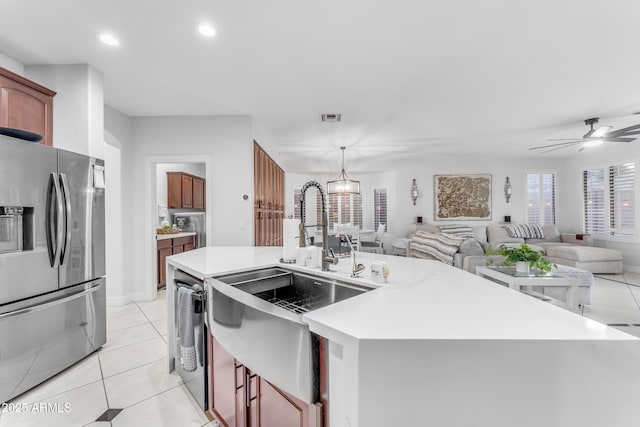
(410, 78)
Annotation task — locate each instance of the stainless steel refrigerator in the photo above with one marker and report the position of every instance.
(52, 262)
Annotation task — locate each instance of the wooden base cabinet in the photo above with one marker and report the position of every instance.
(167, 247)
(240, 398)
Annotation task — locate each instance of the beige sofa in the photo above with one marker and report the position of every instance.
(567, 249)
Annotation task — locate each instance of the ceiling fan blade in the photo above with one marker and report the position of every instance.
(563, 144)
(564, 139)
(619, 139)
(631, 130)
(558, 148)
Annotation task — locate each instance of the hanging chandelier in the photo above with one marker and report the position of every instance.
(343, 184)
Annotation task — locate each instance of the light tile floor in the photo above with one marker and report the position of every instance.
(130, 372)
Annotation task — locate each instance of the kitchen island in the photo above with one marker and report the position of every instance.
(438, 346)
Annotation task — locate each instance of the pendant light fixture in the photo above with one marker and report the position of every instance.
(343, 184)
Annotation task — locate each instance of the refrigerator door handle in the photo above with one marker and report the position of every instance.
(38, 307)
(54, 220)
(67, 218)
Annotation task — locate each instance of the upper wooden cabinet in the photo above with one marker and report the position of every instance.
(198, 193)
(26, 105)
(185, 191)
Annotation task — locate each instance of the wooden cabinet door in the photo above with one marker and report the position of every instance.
(26, 105)
(187, 247)
(187, 191)
(224, 384)
(163, 253)
(280, 409)
(174, 190)
(198, 193)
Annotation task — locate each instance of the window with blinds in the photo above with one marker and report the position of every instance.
(380, 208)
(541, 191)
(593, 191)
(345, 208)
(621, 199)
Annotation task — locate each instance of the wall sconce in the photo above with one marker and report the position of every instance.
(414, 191)
(507, 189)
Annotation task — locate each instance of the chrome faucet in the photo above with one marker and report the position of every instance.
(328, 257)
(356, 269)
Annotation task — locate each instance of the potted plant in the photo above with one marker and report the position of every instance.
(523, 257)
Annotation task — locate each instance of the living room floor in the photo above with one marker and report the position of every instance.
(128, 376)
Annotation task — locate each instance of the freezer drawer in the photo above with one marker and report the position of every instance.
(45, 335)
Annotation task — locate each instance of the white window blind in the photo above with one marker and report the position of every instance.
(356, 209)
(345, 208)
(593, 191)
(380, 208)
(621, 199)
(541, 189)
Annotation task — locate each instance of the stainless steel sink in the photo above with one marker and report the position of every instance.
(293, 291)
(257, 317)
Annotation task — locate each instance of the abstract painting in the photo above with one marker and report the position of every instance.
(462, 197)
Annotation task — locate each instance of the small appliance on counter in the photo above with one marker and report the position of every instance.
(191, 221)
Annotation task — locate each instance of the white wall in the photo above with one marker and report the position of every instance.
(499, 168)
(225, 143)
(118, 170)
(398, 176)
(78, 107)
(11, 64)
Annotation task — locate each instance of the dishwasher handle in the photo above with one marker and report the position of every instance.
(198, 295)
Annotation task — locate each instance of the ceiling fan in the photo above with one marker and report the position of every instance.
(593, 137)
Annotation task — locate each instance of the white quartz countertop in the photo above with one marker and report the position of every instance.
(175, 235)
(422, 300)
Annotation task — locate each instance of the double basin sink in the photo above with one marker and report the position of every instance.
(257, 317)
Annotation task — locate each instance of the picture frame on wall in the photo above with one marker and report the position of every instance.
(462, 197)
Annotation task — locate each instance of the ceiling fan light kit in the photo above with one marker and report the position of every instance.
(343, 184)
(593, 137)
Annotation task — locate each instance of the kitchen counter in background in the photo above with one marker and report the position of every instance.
(445, 347)
(175, 235)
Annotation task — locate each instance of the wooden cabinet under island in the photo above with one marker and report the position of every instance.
(26, 105)
(185, 191)
(240, 398)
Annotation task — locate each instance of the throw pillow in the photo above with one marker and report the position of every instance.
(457, 230)
(441, 246)
(525, 231)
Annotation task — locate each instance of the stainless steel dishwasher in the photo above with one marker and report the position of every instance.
(194, 379)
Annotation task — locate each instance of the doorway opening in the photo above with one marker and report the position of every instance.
(158, 169)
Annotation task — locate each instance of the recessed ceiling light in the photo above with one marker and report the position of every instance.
(108, 39)
(207, 30)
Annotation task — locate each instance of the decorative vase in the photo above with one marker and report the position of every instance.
(522, 267)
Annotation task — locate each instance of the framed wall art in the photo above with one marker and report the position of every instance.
(462, 197)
